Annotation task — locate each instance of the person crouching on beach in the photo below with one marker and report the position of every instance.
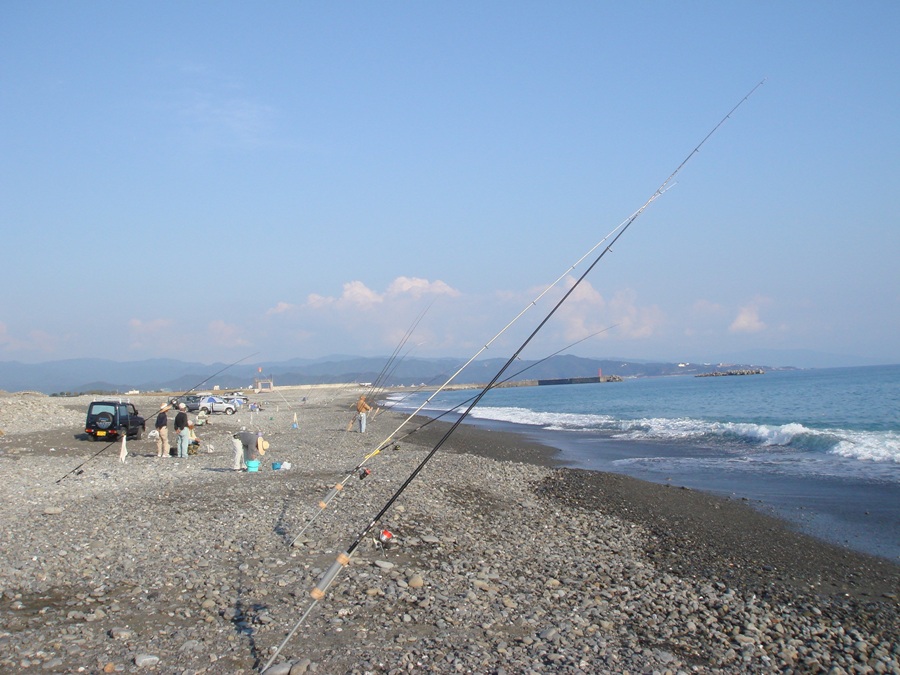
(162, 428)
(244, 443)
(361, 409)
(182, 432)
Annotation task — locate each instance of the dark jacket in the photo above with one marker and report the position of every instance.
(162, 420)
(181, 420)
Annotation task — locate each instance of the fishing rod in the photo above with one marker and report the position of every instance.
(111, 443)
(356, 470)
(343, 559)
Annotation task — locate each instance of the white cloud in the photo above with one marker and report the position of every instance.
(417, 287)
(359, 296)
(225, 334)
(36, 341)
(587, 311)
(633, 320)
(747, 320)
(280, 308)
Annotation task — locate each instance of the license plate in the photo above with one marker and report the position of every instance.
(101, 433)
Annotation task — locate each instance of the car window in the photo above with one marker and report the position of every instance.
(97, 408)
(123, 411)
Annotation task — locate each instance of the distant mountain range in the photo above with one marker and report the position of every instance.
(99, 375)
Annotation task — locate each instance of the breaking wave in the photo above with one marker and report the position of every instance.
(872, 446)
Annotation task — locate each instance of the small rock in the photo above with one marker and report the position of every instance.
(145, 660)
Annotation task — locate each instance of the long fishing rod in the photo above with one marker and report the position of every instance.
(111, 443)
(343, 559)
(356, 470)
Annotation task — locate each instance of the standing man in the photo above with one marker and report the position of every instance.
(182, 432)
(162, 428)
(361, 409)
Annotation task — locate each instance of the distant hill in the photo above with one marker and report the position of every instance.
(90, 375)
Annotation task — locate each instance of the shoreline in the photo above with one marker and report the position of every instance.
(740, 540)
(500, 561)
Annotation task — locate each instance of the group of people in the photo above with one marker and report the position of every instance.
(184, 431)
(248, 445)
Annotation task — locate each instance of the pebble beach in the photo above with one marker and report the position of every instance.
(500, 561)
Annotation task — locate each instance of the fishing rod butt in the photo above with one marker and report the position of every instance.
(340, 563)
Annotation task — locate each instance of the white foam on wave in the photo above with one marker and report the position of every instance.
(863, 445)
(547, 420)
(870, 446)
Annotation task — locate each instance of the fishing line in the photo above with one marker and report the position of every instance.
(111, 443)
(343, 559)
(372, 388)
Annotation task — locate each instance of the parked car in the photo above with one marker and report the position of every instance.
(191, 402)
(214, 404)
(109, 420)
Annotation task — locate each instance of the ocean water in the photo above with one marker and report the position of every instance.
(820, 448)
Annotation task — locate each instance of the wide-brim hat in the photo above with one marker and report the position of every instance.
(262, 445)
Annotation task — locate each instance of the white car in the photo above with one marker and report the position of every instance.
(214, 404)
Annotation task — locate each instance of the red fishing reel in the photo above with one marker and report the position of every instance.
(363, 472)
(385, 537)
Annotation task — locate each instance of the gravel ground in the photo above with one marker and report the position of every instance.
(500, 562)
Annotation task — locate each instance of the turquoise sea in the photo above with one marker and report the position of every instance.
(820, 448)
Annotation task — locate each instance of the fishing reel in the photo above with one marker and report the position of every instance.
(385, 538)
(364, 472)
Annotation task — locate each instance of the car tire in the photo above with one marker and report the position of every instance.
(104, 420)
(229, 411)
(204, 410)
(138, 433)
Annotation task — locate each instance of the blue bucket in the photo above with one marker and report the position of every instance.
(276, 466)
(252, 465)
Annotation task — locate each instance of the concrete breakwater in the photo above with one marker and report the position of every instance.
(580, 380)
(723, 373)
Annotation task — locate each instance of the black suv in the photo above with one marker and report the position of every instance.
(109, 420)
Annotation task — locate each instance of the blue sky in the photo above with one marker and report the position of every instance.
(207, 180)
